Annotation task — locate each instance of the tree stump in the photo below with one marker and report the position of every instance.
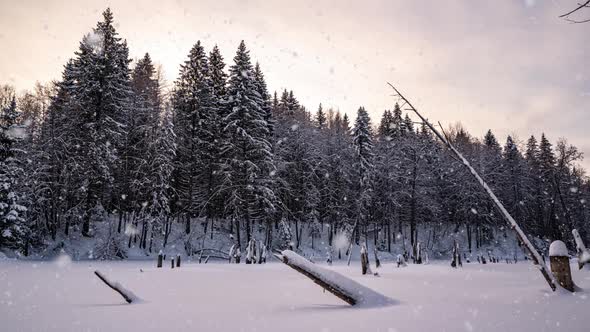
(160, 259)
(560, 265)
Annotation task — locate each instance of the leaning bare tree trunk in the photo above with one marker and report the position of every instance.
(583, 253)
(519, 233)
(126, 294)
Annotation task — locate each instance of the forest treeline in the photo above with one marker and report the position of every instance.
(108, 144)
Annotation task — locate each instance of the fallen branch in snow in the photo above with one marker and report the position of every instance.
(125, 293)
(537, 260)
(342, 287)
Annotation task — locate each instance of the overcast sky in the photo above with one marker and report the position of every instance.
(509, 66)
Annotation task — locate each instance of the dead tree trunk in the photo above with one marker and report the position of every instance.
(344, 288)
(126, 294)
(334, 289)
(512, 223)
(583, 253)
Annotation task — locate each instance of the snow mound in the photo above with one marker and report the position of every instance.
(364, 297)
(63, 260)
(557, 248)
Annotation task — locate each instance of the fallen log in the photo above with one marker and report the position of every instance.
(342, 287)
(125, 293)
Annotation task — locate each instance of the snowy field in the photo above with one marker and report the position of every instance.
(66, 296)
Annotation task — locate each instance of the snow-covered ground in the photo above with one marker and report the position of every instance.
(67, 296)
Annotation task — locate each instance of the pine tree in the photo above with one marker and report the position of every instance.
(266, 102)
(101, 102)
(133, 188)
(398, 129)
(218, 75)
(320, 118)
(196, 121)
(248, 158)
(535, 184)
(491, 142)
(386, 126)
(363, 145)
(512, 168)
(219, 80)
(13, 228)
(408, 125)
(546, 160)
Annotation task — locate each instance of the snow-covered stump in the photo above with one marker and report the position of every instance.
(560, 265)
(342, 287)
(365, 267)
(117, 287)
(401, 262)
(160, 260)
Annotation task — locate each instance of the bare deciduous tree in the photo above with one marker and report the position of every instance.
(568, 16)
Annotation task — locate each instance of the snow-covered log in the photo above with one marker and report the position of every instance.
(583, 253)
(537, 260)
(344, 288)
(117, 287)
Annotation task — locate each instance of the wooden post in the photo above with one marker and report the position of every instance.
(377, 261)
(172, 262)
(560, 265)
(177, 260)
(456, 255)
(160, 258)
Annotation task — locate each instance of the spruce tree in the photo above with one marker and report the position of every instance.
(247, 153)
(363, 144)
(13, 228)
(320, 118)
(408, 125)
(196, 124)
(101, 103)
